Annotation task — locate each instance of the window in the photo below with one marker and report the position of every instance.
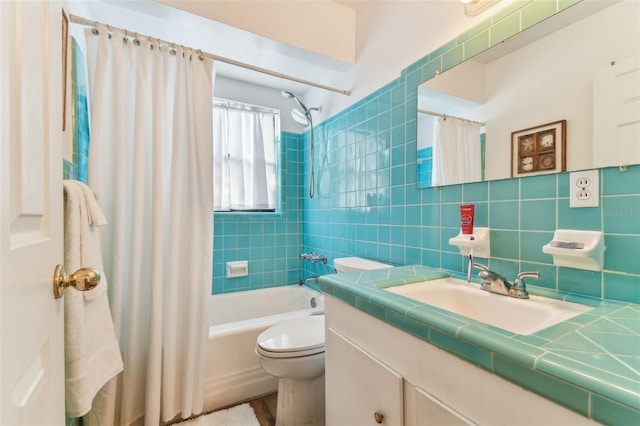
(244, 147)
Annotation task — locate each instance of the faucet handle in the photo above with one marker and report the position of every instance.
(480, 266)
(529, 274)
(519, 288)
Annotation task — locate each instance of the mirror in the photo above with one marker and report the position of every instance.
(561, 69)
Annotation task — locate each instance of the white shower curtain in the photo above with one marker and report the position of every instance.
(457, 154)
(150, 164)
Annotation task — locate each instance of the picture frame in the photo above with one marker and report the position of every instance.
(65, 61)
(539, 150)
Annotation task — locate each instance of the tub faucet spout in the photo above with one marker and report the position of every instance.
(310, 280)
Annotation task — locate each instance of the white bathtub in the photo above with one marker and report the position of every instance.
(236, 319)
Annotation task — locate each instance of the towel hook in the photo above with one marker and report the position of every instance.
(83, 279)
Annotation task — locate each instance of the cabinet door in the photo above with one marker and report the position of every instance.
(432, 412)
(359, 388)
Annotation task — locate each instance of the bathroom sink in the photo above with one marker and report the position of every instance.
(521, 316)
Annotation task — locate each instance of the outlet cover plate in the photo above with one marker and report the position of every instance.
(584, 188)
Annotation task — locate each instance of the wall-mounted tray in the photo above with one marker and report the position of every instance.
(590, 256)
(481, 243)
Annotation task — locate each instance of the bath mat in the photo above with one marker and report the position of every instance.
(240, 415)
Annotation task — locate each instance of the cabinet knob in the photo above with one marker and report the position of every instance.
(378, 416)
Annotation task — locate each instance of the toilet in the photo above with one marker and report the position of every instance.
(293, 351)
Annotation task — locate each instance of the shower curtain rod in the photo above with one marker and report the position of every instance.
(437, 114)
(83, 21)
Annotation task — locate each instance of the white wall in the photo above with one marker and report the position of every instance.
(391, 35)
(324, 27)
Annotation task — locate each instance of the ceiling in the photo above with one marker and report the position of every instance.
(264, 47)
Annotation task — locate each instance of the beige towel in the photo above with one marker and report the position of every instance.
(92, 355)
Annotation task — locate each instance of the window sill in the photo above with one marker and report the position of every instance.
(250, 215)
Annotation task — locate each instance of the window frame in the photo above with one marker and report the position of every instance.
(277, 155)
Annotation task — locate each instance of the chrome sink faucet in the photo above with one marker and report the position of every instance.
(495, 283)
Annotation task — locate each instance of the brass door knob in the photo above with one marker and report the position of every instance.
(378, 416)
(83, 279)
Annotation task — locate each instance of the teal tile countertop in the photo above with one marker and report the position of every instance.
(590, 363)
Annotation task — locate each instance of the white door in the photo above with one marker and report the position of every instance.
(616, 113)
(31, 230)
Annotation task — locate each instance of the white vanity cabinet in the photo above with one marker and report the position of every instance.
(371, 366)
(428, 410)
(364, 391)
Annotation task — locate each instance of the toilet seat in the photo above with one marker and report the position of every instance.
(293, 338)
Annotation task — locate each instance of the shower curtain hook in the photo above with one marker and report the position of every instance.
(173, 49)
(125, 40)
(200, 55)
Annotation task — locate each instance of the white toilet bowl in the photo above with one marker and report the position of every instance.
(293, 348)
(293, 351)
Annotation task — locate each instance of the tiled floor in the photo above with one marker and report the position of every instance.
(265, 409)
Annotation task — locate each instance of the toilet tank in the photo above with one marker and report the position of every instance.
(352, 264)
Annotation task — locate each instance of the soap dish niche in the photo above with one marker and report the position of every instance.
(590, 252)
(481, 243)
(239, 268)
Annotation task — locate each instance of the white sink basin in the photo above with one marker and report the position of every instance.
(521, 316)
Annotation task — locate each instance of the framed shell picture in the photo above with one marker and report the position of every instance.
(539, 150)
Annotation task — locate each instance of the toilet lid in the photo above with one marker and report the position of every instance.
(296, 337)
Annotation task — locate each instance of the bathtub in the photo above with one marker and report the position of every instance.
(236, 319)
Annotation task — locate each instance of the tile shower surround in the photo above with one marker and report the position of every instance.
(367, 203)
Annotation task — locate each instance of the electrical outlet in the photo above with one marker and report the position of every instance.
(584, 187)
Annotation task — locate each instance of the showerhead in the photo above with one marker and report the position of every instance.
(295, 98)
(304, 119)
(300, 117)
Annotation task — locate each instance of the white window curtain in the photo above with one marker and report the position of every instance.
(457, 154)
(244, 157)
(150, 165)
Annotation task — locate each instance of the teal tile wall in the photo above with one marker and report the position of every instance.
(77, 169)
(80, 117)
(269, 242)
(367, 203)
(69, 170)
